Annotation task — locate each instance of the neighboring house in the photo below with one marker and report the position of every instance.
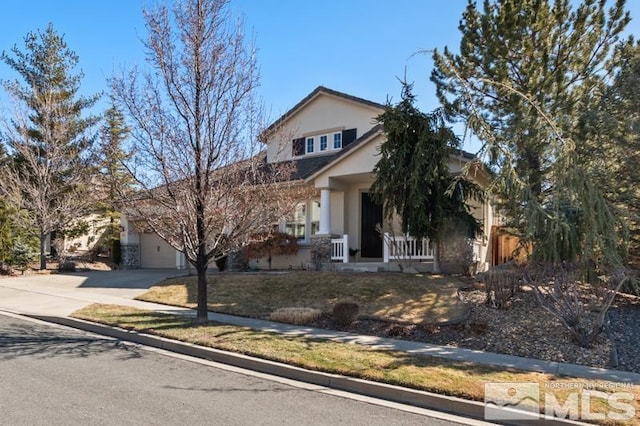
(334, 142)
(96, 226)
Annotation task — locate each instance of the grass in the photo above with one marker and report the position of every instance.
(461, 379)
(393, 296)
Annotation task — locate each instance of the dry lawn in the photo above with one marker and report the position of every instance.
(460, 379)
(386, 295)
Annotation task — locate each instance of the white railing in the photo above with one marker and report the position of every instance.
(404, 247)
(340, 249)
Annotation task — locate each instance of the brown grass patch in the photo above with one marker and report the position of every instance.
(385, 295)
(297, 316)
(461, 379)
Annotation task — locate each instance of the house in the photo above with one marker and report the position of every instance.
(333, 140)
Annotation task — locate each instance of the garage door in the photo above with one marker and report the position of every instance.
(156, 253)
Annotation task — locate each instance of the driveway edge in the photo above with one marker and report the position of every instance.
(398, 394)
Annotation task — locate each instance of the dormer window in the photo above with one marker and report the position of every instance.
(323, 143)
(327, 142)
(337, 140)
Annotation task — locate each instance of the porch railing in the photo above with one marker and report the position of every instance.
(405, 247)
(340, 249)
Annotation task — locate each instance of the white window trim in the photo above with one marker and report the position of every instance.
(330, 135)
(333, 142)
(326, 143)
(282, 225)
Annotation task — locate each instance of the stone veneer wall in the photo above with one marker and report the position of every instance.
(320, 253)
(236, 262)
(456, 254)
(130, 256)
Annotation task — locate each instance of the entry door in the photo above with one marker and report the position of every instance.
(370, 240)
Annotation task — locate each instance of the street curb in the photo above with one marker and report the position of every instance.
(398, 394)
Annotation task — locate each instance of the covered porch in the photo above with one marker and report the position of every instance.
(419, 254)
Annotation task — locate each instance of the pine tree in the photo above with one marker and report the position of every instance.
(527, 73)
(612, 128)
(50, 172)
(113, 173)
(413, 177)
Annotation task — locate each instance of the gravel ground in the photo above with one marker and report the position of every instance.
(625, 331)
(524, 329)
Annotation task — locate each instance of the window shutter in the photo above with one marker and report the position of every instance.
(298, 147)
(348, 136)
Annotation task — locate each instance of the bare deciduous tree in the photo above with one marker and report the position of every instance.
(579, 302)
(204, 188)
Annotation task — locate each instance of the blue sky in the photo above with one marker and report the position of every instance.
(355, 46)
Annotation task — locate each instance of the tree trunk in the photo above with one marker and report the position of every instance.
(436, 258)
(202, 314)
(43, 256)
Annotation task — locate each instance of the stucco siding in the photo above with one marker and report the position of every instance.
(324, 113)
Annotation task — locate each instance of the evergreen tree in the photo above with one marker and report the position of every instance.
(49, 141)
(613, 131)
(527, 73)
(114, 176)
(413, 177)
(6, 232)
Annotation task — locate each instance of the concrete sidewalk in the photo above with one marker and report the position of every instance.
(60, 295)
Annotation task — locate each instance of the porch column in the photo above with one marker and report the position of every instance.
(124, 229)
(325, 212)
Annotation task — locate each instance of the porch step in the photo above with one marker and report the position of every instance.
(379, 267)
(345, 267)
(363, 267)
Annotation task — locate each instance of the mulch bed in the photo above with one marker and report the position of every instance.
(524, 330)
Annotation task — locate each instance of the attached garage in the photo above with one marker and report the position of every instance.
(155, 252)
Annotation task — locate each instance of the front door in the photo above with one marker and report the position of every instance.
(370, 239)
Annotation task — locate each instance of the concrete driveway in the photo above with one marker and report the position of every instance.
(61, 294)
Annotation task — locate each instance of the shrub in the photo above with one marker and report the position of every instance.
(22, 254)
(398, 331)
(270, 244)
(116, 252)
(67, 266)
(344, 313)
(221, 263)
(297, 316)
(500, 286)
(576, 296)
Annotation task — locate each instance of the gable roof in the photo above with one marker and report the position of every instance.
(317, 91)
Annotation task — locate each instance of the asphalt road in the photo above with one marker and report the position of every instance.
(52, 375)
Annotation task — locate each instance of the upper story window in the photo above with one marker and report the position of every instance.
(337, 140)
(323, 143)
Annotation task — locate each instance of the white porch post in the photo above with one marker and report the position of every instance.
(124, 229)
(345, 254)
(385, 247)
(325, 212)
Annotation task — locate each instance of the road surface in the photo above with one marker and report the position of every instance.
(53, 375)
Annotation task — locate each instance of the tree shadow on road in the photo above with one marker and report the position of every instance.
(19, 339)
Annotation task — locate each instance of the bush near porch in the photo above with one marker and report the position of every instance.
(389, 296)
